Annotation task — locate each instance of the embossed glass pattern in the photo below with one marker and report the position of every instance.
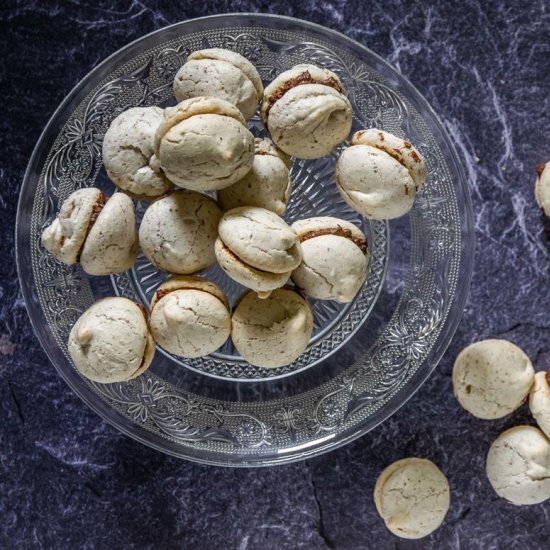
(366, 358)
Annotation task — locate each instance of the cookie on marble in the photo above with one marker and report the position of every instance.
(128, 153)
(542, 187)
(190, 316)
(334, 258)
(492, 378)
(257, 248)
(267, 185)
(203, 144)
(306, 111)
(274, 331)
(539, 401)
(412, 496)
(225, 74)
(518, 465)
(178, 232)
(111, 341)
(379, 174)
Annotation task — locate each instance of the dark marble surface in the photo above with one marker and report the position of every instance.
(69, 480)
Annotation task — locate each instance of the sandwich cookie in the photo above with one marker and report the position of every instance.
(111, 342)
(220, 73)
(306, 112)
(542, 187)
(274, 331)
(539, 401)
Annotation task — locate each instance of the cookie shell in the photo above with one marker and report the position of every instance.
(539, 402)
(128, 153)
(274, 331)
(412, 496)
(178, 232)
(542, 188)
(492, 378)
(110, 342)
(112, 243)
(518, 465)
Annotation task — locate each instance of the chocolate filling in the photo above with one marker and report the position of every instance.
(540, 169)
(98, 207)
(234, 256)
(303, 78)
(548, 377)
(338, 231)
(162, 292)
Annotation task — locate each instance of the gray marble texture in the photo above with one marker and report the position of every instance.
(69, 480)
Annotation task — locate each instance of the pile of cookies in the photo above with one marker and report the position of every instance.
(175, 157)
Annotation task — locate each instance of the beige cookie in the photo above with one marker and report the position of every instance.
(334, 258)
(128, 153)
(274, 331)
(267, 185)
(257, 248)
(204, 145)
(112, 242)
(492, 378)
(539, 401)
(412, 496)
(178, 232)
(518, 465)
(190, 316)
(379, 174)
(111, 342)
(542, 187)
(306, 112)
(225, 74)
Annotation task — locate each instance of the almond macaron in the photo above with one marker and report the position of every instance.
(542, 187)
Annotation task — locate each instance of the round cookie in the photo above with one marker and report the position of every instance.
(379, 174)
(257, 248)
(111, 342)
(274, 331)
(334, 261)
(539, 401)
(306, 112)
(204, 145)
(178, 232)
(267, 185)
(190, 316)
(65, 236)
(112, 242)
(542, 187)
(128, 153)
(492, 378)
(518, 465)
(220, 73)
(412, 496)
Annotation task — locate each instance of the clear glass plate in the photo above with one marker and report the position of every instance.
(365, 359)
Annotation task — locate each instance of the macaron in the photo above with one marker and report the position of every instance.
(204, 145)
(267, 185)
(518, 465)
(334, 258)
(306, 112)
(257, 248)
(190, 316)
(178, 232)
(220, 73)
(97, 231)
(412, 496)
(111, 341)
(274, 331)
(128, 153)
(542, 187)
(492, 378)
(379, 174)
(539, 401)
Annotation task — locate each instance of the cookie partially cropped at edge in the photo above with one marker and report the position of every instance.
(518, 465)
(267, 185)
(274, 331)
(111, 341)
(190, 316)
(412, 496)
(542, 187)
(492, 378)
(539, 401)
(306, 111)
(129, 156)
(225, 74)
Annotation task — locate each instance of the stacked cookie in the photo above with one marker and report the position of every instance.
(178, 157)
